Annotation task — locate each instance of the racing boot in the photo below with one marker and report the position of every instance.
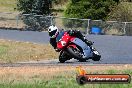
(89, 43)
(79, 35)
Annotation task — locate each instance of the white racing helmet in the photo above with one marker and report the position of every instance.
(53, 31)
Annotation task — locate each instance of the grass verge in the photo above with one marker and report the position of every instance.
(56, 77)
(11, 51)
(7, 5)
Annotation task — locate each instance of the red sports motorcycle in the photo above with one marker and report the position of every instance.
(73, 47)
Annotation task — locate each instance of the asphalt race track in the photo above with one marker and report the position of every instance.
(26, 36)
(114, 49)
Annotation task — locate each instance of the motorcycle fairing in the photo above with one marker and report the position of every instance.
(86, 49)
(64, 40)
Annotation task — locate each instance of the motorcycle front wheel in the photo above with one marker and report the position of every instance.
(76, 53)
(63, 57)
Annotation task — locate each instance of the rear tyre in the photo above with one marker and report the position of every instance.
(96, 57)
(96, 54)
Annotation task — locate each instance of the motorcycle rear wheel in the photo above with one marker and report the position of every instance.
(96, 54)
(96, 57)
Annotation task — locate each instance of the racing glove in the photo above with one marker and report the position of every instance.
(71, 32)
(57, 50)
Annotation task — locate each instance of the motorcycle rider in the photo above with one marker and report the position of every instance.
(54, 32)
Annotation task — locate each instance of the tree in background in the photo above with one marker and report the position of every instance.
(39, 7)
(35, 7)
(61, 2)
(89, 9)
(122, 12)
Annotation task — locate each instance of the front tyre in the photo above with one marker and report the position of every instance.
(63, 57)
(82, 60)
(62, 60)
(76, 53)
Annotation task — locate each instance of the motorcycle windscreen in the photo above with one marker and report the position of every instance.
(86, 49)
(59, 36)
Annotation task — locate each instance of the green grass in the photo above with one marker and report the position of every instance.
(64, 81)
(3, 49)
(70, 84)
